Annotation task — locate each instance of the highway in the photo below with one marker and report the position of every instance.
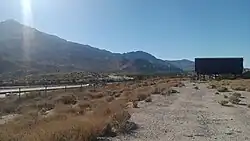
(23, 90)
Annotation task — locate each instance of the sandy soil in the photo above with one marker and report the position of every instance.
(6, 118)
(191, 115)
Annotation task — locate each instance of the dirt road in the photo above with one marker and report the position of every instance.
(190, 115)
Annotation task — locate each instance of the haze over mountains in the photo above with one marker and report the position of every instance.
(23, 48)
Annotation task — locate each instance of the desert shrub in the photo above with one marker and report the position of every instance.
(93, 90)
(223, 89)
(239, 88)
(166, 93)
(126, 127)
(85, 98)
(55, 128)
(248, 105)
(238, 95)
(225, 83)
(225, 96)
(145, 84)
(8, 109)
(67, 99)
(156, 91)
(45, 105)
(196, 88)
(118, 95)
(69, 109)
(84, 104)
(96, 95)
(173, 91)
(217, 93)
(179, 84)
(135, 104)
(76, 124)
(110, 98)
(141, 96)
(223, 102)
(148, 99)
(111, 93)
(120, 116)
(234, 99)
(212, 86)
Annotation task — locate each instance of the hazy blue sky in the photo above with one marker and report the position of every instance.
(168, 29)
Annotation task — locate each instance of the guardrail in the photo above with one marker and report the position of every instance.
(23, 90)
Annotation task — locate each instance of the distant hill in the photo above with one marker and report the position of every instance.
(26, 49)
(184, 64)
(7, 65)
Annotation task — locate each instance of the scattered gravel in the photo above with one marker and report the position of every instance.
(189, 115)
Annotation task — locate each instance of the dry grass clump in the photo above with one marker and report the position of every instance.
(212, 86)
(248, 105)
(69, 109)
(67, 99)
(196, 88)
(161, 88)
(157, 90)
(223, 102)
(135, 104)
(45, 106)
(177, 84)
(16, 105)
(169, 92)
(68, 128)
(223, 89)
(107, 119)
(148, 99)
(238, 84)
(96, 95)
(145, 83)
(118, 95)
(238, 95)
(8, 109)
(239, 88)
(234, 99)
(111, 93)
(110, 98)
(142, 96)
(78, 116)
(173, 91)
(84, 104)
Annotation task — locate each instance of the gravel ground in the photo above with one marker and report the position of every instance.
(6, 118)
(190, 115)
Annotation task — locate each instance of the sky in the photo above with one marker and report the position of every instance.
(168, 29)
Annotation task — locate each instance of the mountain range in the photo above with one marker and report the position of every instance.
(25, 49)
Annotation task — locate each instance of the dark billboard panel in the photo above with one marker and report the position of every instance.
(211, 66)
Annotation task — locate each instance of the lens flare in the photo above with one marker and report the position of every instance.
(26, 11)
(27, 32)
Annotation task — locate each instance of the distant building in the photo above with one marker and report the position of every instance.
(210, 66)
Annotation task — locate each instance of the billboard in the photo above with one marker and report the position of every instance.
(209, 66)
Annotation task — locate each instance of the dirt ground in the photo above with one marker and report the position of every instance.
(191, 115)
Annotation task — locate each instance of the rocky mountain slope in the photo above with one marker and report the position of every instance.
(184, 64)
(26, 49)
